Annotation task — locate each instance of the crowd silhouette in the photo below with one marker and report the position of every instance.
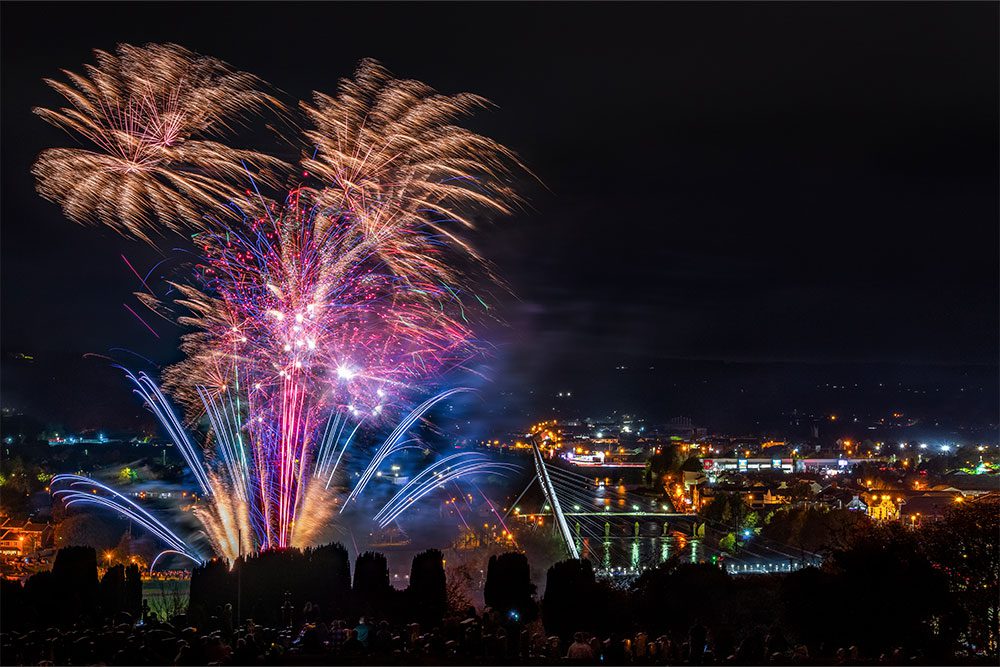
(897, 597)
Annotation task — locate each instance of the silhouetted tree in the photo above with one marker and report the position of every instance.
(509, 588)
(329, 578)
(810, 607)
(268, 576)
(697, 591)
(897, 585)
(692, 464)
(880, 593)
(40, 599)
(371, 584)
(211, 587)
(74, 574)
(80, 529)
(257, 584)
(568, 602)
(964, 545)
(13, 604)
(427, 596)
(816, 529)
(658, 465)
(728, 509)
(133, 591)
(113, 591)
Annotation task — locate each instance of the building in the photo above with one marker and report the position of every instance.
(930, 506)
(883, 507)
(714, 466)
(18, 538)
(857, 505)
(761, 497)
(971, 485)
(912, 509)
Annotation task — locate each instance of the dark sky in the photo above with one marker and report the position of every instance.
(744, 182)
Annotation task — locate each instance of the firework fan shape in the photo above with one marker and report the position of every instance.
(146, 112)
(335, 311)
(387, 149)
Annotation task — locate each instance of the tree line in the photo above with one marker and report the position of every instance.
(72, 591)
(932, 592)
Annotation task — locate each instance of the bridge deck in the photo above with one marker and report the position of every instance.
(617, 514)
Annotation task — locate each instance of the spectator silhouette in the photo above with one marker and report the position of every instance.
(580, 651)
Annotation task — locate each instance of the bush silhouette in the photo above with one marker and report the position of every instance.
(508, 586)
(371, 590)
(74, 576)
(567, 605)
(427, 596)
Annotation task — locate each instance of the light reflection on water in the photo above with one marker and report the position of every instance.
(636, 554)
(630, 543)
(631, 556)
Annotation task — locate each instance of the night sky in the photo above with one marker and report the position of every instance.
(741, 183)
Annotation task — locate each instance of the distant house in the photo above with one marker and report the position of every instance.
(24, 537)
(835, 497)
(972, 485)
(693, 478)
(930, 506)
(760, 497)
(10, 543)
(883, 507)
(857, 505)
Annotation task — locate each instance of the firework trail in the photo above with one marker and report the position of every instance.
(445, 470)
(104, 496)
(234, 519)
(394, 443)
(329, 312)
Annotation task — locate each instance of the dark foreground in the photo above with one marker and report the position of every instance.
(474, 640)
(889, 595)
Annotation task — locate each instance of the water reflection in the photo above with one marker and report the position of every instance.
(637, 554)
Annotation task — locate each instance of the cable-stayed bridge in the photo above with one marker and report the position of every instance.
(624, 533)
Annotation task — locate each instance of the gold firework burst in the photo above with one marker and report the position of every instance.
(146, 113)
(387, 152)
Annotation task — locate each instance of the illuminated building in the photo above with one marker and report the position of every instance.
(23, 537)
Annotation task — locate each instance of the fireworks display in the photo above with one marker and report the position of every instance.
(329, 311)
(146, 113)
